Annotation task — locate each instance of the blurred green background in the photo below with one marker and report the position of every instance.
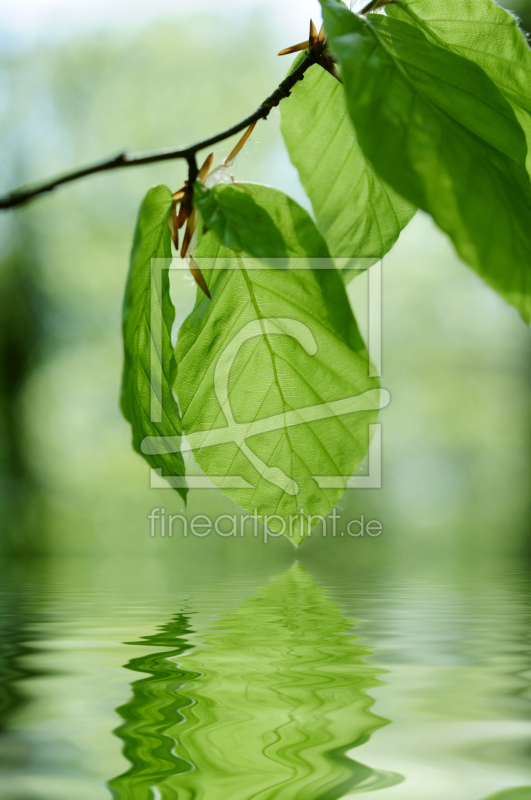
(80, 84)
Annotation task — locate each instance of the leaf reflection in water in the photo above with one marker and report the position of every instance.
(270, 709)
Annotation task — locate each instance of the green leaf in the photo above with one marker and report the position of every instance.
(485, 33)
(149, 372)
(438, 130)
(258, 364)
(246, 217)
(238, 221)
(518, 793)
(359, 215)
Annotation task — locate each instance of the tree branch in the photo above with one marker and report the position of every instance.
(21, 196)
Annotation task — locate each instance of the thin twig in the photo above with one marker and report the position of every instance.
(21, 196)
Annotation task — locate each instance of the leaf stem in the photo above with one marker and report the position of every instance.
(24, 195)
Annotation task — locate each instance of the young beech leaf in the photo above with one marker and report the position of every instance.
(439, 131)
(359, 215)
(485, 33)
(241, 223)
(147, 400)
(274, 383)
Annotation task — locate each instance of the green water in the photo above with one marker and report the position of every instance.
(148, 679)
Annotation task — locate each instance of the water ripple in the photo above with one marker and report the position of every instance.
(269, 708)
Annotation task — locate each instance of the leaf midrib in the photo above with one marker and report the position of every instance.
(269, 346)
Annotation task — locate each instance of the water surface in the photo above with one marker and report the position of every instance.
(272, 681)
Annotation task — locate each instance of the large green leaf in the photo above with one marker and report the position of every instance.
(149, 371)
(359, 215)
(274, 383)
(440, 132)
(485, 33)
(259, 221)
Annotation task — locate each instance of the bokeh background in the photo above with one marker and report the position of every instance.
(80, 81)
